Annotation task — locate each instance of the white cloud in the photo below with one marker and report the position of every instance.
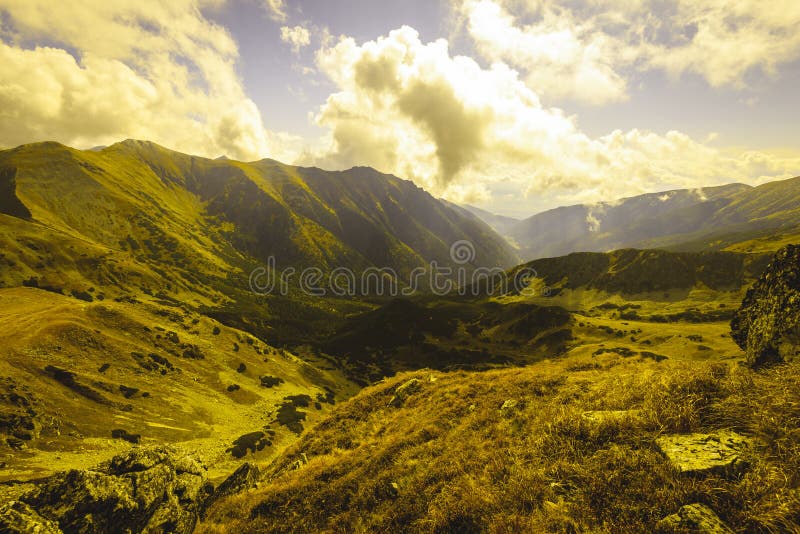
(276, 9)
(563, 59)
(588, 49)
(297, 37)
(144, 69)
(456, 128)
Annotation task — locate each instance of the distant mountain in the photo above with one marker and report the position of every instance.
(700, 219)
(501, 223)
(137, 216)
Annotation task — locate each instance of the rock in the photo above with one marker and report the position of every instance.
(609, 416)
(403, 391)
(246, 477)
(509, 405)
(145, 489)
(704, 453)
(18, 518)
(767, 325)
(121, 433)
(696, 518)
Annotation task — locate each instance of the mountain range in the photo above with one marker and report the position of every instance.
(131, 331)
(710, 218)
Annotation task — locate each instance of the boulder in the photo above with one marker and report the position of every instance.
(404, 390)
(767, 325)
(509, 406)
(158, 489)
(695, 518)
(717, 452)
(18, 518)
(246, 477)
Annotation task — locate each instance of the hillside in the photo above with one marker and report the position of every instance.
(208, 218)
(81, 381)
(712, 218)
(565, 446)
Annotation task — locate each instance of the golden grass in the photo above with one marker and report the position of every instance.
(459, 463)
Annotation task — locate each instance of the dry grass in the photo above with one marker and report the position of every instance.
(461, 464)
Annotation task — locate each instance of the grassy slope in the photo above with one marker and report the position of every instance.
(461, 464)
(180, 397)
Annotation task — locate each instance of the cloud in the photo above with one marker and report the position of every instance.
(117, 69)
(563, 59)
(587, 50)
(297, 37)
(276, 9)
(455, 128)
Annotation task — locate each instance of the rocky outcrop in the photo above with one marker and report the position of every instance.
(718, 452)
(767, 325)
(246, 477)
(696, 518)
(405, 390)
(18, 518)
(157, 489)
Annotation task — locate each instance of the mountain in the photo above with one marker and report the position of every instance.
(712, 217)
(501, 223)
(138, 205)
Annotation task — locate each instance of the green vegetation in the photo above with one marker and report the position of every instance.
(452, 459)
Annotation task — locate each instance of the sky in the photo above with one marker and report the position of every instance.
(515, 106)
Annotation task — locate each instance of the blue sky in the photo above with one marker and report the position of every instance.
(513, 105)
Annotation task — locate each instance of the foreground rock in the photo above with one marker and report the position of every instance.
(767, 325)
(404, 391)
(18, 518)
(246, 477)
(143, 490)
(695, 518)
(717, 452)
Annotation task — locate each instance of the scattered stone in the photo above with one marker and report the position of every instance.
(767, 325)
(234, 387)
(696, 518)
(18, 518)
(103, 368)
(145, 490)
(121, 433)
(509, 405)
(704, 453)
(242, 368)
(403, 391)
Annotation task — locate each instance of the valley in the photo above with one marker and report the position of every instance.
(131, 325)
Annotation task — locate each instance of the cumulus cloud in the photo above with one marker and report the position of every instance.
(413, 109)
(117, 69)
(587, 49)
(563, 58)
(297, 37)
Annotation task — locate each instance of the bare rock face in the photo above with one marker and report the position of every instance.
(157, 489)
(767, 325)
(704, 453)
(18, 518)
